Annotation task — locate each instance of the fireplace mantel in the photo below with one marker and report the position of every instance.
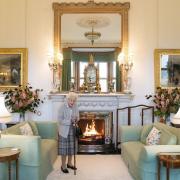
(93, 102)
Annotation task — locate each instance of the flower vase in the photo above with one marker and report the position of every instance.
(162, 120)
(21, 116)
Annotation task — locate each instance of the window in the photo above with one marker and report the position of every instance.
(107, 72)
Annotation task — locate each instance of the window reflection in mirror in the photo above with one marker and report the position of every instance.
(167, 67)
(106, 68)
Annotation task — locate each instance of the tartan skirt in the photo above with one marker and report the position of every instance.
(66, 145)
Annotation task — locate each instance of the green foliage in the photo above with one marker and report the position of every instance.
(22, 99)
(166, 101)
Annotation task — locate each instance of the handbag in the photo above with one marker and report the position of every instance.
(78, 131)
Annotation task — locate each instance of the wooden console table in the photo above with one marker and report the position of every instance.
(169, 160)
(8, 155)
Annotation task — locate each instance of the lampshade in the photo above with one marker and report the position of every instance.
(176, 119)
(5, 116)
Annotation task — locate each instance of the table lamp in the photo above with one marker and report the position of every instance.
(176, 120)
(5, 116)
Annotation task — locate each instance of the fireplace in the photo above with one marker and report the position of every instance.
(97, 128)
(95, 103)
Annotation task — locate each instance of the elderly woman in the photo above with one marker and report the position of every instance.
(68, 115)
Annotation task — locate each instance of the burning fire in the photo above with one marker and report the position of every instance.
(91, 129)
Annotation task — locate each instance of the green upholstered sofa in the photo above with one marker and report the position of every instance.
(38, 152)
(141, 159)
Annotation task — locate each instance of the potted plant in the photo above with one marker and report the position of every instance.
(22, 99)
(166, 101)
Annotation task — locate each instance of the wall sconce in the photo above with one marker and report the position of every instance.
(127, 66)
(55, 61)
(55, 65)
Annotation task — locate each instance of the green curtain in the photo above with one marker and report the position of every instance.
(118, 77)
(118, 73)
(70, 55)
(66, 70)
(98, 56)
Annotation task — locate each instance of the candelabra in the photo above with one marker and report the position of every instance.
(126, 66)
(55, 65)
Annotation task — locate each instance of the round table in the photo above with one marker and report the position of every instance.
(8, 155)
(169, 160)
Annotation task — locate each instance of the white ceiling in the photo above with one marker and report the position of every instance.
(73, 34)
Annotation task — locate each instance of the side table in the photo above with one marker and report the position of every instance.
(8, 155)
(169, 160)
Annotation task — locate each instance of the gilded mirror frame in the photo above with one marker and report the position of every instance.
(14, 68)
(157, 64)
(92, 7)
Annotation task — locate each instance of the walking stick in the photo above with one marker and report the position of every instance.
(75, 148)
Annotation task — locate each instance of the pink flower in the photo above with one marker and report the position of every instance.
(13, 99)
(20, 104)
(22, 99)
(23, 95)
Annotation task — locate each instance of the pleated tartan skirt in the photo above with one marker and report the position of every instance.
(66, 145)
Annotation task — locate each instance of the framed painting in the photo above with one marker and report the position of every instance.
(167, 68)
(13, 67)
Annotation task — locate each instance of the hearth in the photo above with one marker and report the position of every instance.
(97, 128)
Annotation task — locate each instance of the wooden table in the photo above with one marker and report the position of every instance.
(8, 155)
(169, 160)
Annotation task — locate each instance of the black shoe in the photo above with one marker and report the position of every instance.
(64, 170)
(71, 167)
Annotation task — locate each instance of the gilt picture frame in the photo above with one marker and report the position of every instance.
(13, 67)
(167, 68)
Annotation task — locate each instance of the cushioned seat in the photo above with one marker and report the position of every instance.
(142, 159)
(38, 152)
(49, 149)
(135, 153)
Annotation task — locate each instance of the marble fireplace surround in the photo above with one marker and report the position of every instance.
(93, 103)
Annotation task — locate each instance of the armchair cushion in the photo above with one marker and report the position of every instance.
(26, 130)
(167, 138)
(16, 129)
(34, 127)
(130, 133)
(145, 131)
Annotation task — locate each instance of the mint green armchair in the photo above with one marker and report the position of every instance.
(38, 153)
(141, 159)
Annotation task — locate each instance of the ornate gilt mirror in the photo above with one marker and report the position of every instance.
(64, 10)
(167, 68)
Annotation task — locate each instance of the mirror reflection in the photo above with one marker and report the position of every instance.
(170, 70)
(167, 68)
(104, 42)
(101, 30)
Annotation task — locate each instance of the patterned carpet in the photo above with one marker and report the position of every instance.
(93, 167)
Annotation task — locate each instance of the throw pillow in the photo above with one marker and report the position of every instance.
(144, 133)
(153, 137)
(34, 128)
(26, 130)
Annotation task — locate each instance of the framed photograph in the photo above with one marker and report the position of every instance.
(13, 67)
(167, 68)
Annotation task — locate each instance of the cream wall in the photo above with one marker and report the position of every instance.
(29, 23)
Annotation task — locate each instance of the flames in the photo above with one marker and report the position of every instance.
(91, 129)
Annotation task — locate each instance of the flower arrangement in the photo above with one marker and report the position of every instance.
(166, 101)
(22, 99)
